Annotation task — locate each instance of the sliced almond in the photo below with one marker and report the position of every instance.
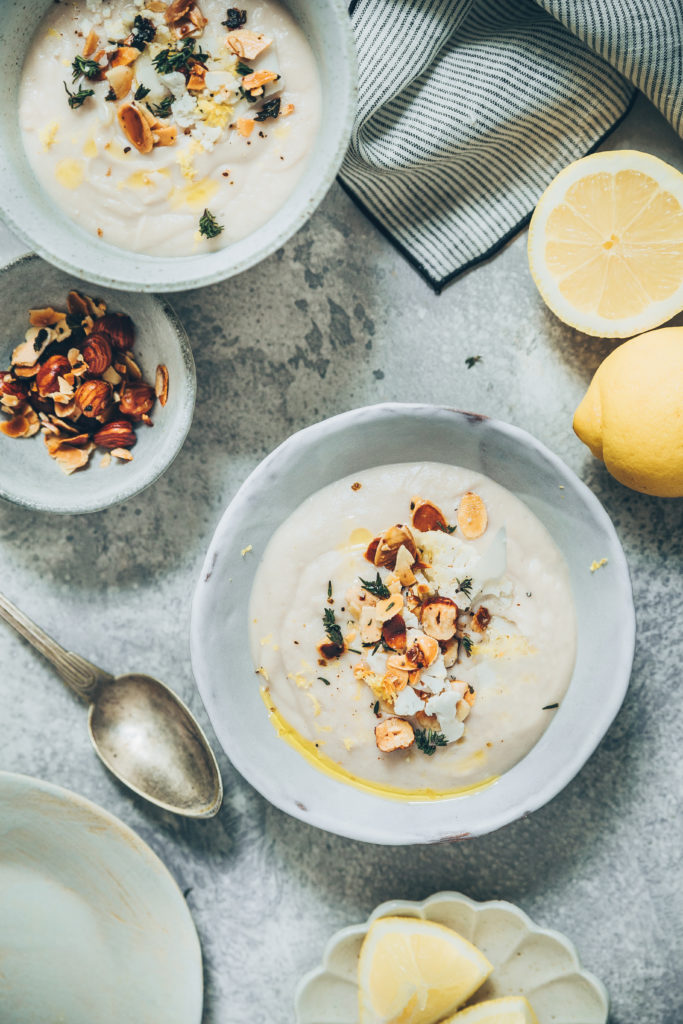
(472, 516)
(394, 734)
(370, 627)
(123, 454)
(161, 384)
(451, 651)
(257, 79)
(120, 79)
(438, 617)
(177, 10)
(166, 135)
(390, 606)
(427, 516)
(287, 110)
(425, 721)
(245, 126)
(111, 376)
(390, 542)
(90, 44)
(47, 317)
(132, 367)
(244, 43)
(105, 460)
(77, 305)
(136, 127)
(404, 567)
(23, 424)
(125, 55)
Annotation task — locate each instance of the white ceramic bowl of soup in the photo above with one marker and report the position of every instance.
(34, 215)
(379, 436)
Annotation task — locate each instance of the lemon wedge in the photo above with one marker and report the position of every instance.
(415, 972)
(606, 243)
(510, 1010)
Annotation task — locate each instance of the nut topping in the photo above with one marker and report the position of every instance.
(47, 378)
(394, 734)
(472, 516)
(390, 542)
(438, 617)
(427, 516)
(120, 79)
(161, 384)
(118, 434)
(118, 328)
(136, 400)
(136, 127)
(97, 354)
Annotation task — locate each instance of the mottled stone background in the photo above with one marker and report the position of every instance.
(334, 320)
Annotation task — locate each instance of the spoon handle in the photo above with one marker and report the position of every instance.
(83, 677)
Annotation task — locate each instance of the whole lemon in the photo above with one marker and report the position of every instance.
(631, 417)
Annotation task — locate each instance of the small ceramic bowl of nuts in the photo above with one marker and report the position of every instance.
(96, 390)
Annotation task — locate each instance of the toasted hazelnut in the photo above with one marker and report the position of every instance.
(472, 516)
(481, 619)
(136, 400)
(47, 378)
(394, 633)
(117, 434)
(93, 398)
(427, 516)
(97, 354)
(372, 550)
(394, 734)
(390, 542)
(161, 384)
(135, 127)
(423, 651)
(118, 328)
(11, 388)
(438, 616)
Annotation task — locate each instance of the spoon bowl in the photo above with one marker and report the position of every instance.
(149, 739)
(140, 729)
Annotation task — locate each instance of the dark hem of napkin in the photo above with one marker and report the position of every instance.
(438, 284)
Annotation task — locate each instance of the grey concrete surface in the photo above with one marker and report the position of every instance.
(335, 320)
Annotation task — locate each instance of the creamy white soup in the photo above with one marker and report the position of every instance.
(414, 628)
(169, 128)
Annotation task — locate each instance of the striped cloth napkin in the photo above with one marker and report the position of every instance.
(469, 108)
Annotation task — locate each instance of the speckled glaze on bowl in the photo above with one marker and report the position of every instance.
(92, 925)
(527, 960)
(380, 435)
(28, 476)
(30, 212)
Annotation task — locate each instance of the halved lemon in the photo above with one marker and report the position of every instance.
(415, 972)
(606, 243)
(509, 1010)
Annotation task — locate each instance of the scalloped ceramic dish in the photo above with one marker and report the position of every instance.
(530, 961)
(375, 436)
(93, 928)
(28, 476)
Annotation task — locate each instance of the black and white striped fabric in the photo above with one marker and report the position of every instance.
(469, 108)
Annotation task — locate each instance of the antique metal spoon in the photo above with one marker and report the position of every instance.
(142, 732)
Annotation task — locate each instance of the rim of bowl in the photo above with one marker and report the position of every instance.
(184, 419)
(347, 105)
(130, 837)
(477, 824)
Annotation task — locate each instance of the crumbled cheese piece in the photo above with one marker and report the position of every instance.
(244, 551)
(175, 83)
(444, 707)
(184, 111)
(408, 703)
(207, 135)
(433, 679)
(215, 80)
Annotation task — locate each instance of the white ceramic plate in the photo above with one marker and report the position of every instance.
(375, 436)
(530, 961)
(28, 476)
(93, 929)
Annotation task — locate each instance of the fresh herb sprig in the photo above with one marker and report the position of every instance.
(77, 99)
(143, 32)
(445, 528)
(465, 586)
(472, 361)
(235, 19)
(466, 642)
(271, 108)
(179, 59)
(84, 68)
(243, 69)
(333, 630)
(208, 225)
(428, 740)
(141, 92)
(376, 587)
(162, 109)
(380, 643)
